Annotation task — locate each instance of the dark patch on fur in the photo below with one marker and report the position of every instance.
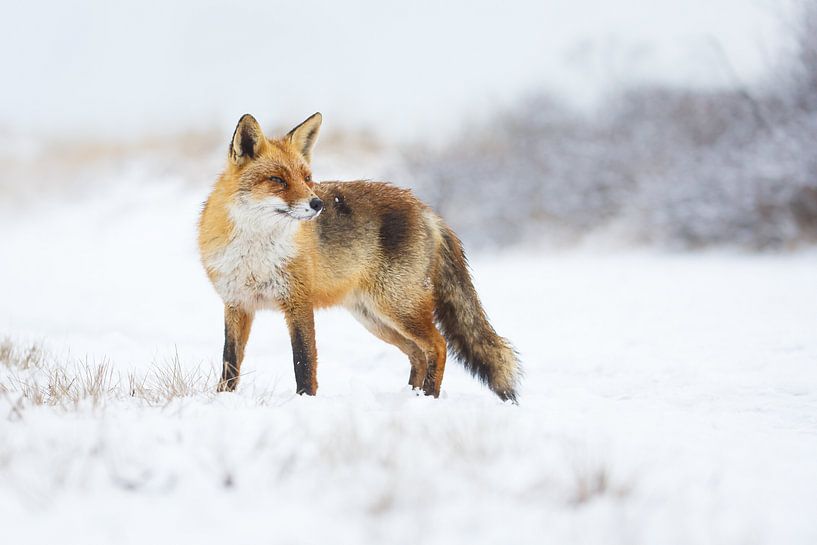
(248, 141)
(244, 139)
(229, 371)
(336, 222)
(393, 231)
(340, 204)
(302, 363)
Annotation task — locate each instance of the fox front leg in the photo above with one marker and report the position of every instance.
(237, 324)
(301, 324)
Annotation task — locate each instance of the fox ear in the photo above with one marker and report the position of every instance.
(304, 135)
(247, 140)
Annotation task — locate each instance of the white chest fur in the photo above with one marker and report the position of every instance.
(251, 268)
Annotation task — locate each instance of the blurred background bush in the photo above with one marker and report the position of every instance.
(663, 165)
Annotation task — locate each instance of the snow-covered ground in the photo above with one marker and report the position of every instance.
(667, 399)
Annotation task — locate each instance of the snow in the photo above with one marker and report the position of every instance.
(668, 398)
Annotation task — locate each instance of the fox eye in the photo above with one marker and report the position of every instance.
(308, 178)
(278, 180)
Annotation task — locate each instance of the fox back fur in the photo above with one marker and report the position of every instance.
(270, 237)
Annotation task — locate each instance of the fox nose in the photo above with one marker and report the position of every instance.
(316, 204)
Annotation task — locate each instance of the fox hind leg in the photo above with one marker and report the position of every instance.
(433, 386)
(433, 344)
(386, 333)
(417, 326)
(420, 329)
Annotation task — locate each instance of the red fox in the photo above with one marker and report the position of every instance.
(272, 238)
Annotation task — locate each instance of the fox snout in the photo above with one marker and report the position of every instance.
(306, 209)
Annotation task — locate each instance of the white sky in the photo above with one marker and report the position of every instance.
(408, 68)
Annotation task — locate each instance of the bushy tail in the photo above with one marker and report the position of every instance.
(471, 338)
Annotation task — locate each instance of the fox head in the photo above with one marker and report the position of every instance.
(272, 177)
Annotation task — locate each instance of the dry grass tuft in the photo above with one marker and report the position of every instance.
(29, 377)
(26, 357)
(594, 483)
(174, 381)
(86, 381)
(169, 381)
